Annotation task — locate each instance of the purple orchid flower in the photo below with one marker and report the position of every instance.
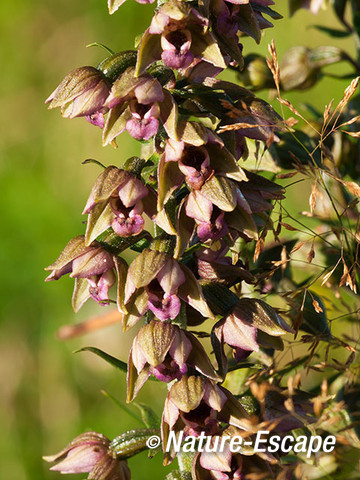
(144, 122)
(177, 35)
(115, 201)
(250, 324)
(197, 405)
(161, 290)
(193, 161)
(156, 282)
(173, 364)
(91, 265)
(198, 414)
(136, 101)
(167, 352)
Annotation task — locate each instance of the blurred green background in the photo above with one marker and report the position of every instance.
(48, 396)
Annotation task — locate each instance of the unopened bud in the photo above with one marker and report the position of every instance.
(117, 63)
(132, 442)
(297, 70)
(256, 74)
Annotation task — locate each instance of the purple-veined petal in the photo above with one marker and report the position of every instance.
(166, 308)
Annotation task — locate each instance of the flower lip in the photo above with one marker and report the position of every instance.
(164, 306)
(176, 49)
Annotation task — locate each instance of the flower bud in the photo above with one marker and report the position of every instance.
(91, 266)
(131, 442)
(256, 75)
(90, 453)
(165, 351)
(116, 64)
(82, 93)
(297, 71)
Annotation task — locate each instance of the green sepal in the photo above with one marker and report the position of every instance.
(121, 270)
(169, 179)
(115, 123)
(169, 115)
(206, 47)
(221, 191)
(262, 316)
(135, 307)
(80, 294)
(225, 163)
(149, 52)
(99, 220)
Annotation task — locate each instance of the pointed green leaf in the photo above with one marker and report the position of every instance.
(115, 362)
(333, 32)
(149, 417)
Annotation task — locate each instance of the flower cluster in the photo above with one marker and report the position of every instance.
(195, 213)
